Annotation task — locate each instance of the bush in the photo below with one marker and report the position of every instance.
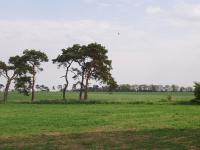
(169, 98)
(197, 90)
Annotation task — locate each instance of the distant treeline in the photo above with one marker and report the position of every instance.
(120, 88)
(144, 88)
(130, 88)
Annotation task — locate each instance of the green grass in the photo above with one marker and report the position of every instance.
(121, 97)
(111, 121)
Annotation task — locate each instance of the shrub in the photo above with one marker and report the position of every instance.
(169, 98)
(197, 90)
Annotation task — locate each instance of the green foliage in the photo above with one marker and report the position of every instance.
(11, 71)
(68, 56)
(92, 63)
(66, 60)
(23, 85)
(197, 90)
(169, 98)
(15, 64)
(3, 67)
(32, 60)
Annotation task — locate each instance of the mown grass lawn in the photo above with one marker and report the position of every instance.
(154, 124)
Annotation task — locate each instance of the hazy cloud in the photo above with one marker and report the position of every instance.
(157, 43)
(154, 10)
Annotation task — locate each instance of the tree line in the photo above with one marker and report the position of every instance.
(85, 62)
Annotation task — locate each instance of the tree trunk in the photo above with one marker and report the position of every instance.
(67, 83)
(6, 90)
(64, 90)
(33, 86)
(86, 90)
(81, 89)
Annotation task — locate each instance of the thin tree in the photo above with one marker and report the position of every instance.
(80, 72)
(66, 60)
(33, 59)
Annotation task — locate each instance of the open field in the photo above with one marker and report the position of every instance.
(106, 121)
(95, 97)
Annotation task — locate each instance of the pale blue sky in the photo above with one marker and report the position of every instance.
(121, 10)
(158, 42)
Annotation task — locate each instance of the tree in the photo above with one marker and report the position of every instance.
(197, 90)
(175, 88)
(112, 84)
(79, 72)
(23, 84)
(125, 88)
(42, 88)
(1, 86)
(65, 60)
(94, 65)
(53, 88)
(98, 66)
(10, 71)
(34, 59)
(60, 87)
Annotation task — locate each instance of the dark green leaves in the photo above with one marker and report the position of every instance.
(23, 85)
(197, 90)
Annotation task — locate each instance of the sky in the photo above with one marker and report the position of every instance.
(158, 41)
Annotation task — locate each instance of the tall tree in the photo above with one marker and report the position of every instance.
(94, 64)
(98, 67)
(82, 60)
(33, 59)
(10, 72)
(66, 60)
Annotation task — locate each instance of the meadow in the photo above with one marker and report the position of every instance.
(106, 121)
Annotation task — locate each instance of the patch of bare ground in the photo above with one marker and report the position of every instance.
(153, 139)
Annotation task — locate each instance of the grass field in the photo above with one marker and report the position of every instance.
(105, 121)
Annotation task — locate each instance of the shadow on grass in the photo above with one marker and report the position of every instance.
(87, 102)
(191, 102)
(150, 139)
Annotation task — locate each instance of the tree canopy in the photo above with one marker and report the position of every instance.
(33, 59)
(66, 59)
(197, 90)
(11, 71)
(92, 63)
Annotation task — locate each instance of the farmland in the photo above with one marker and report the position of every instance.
(105, 121)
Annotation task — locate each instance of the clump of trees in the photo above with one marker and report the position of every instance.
(10, 71)
(22, 71)
(84, 62)
(42, 88)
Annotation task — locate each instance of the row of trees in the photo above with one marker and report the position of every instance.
(86, 62)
